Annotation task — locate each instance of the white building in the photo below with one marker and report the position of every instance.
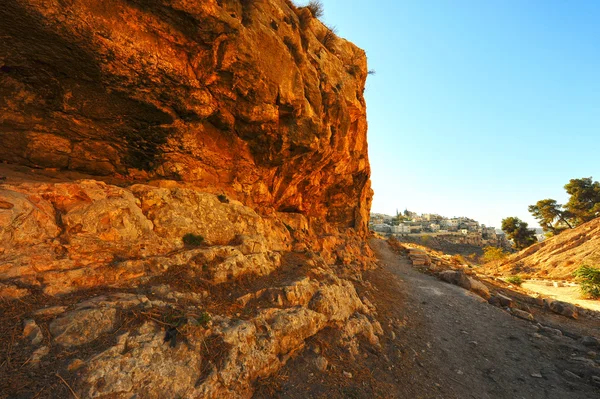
(401, 229)
(382, 228)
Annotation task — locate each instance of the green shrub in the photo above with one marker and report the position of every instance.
(491, 254)
(516, 280)
(589, 280)
(193, 240)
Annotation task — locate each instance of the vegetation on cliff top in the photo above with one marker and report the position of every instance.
(583, 206)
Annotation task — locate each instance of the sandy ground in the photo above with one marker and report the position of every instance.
(441, 341)
(570, 294)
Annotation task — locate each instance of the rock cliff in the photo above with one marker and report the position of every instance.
(183, 198)
(254, 99)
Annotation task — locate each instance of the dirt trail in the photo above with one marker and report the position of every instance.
(440, 341)
(480, 351)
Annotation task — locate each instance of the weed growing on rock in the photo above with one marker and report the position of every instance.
(203, 319)
(329, 38)
(192, 240)
(316, 8)
(589, 280)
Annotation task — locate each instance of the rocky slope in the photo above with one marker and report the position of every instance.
(183, 198)
(104, 284)
(254, 99)
(557, 257)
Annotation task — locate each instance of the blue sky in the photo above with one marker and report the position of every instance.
(478, 108)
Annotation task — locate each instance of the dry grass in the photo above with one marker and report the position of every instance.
(316, 8)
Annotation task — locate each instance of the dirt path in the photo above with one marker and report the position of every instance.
(480, 351)
(439, 341)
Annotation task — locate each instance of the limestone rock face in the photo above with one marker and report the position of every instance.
(68, 236)
(257, 100)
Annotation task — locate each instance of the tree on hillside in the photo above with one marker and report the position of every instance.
(518, 231)
(584, 203)
(551, 216)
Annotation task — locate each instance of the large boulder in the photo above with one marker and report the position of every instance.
(562, 308)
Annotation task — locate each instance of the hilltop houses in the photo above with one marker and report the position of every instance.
(409, 223)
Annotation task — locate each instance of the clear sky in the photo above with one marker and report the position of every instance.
(478, 108)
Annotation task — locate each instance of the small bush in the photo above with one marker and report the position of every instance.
(589, 280)
(516, 280)
(193, 240)
(491, 254)
(316, 8)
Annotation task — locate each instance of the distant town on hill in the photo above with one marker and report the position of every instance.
(460, 229)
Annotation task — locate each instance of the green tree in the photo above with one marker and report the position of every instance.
(551, 215)
(518, 231)
(584, 203)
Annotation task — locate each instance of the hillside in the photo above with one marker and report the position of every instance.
(557, 257)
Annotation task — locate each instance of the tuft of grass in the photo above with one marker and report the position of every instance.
(193, 240)
(516, 280)
(589, 280)
(329, 38)
(316, 8)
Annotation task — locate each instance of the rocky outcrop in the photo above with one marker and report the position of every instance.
(140, 282)
(257, 100)
(184, 195)
(68, 236)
